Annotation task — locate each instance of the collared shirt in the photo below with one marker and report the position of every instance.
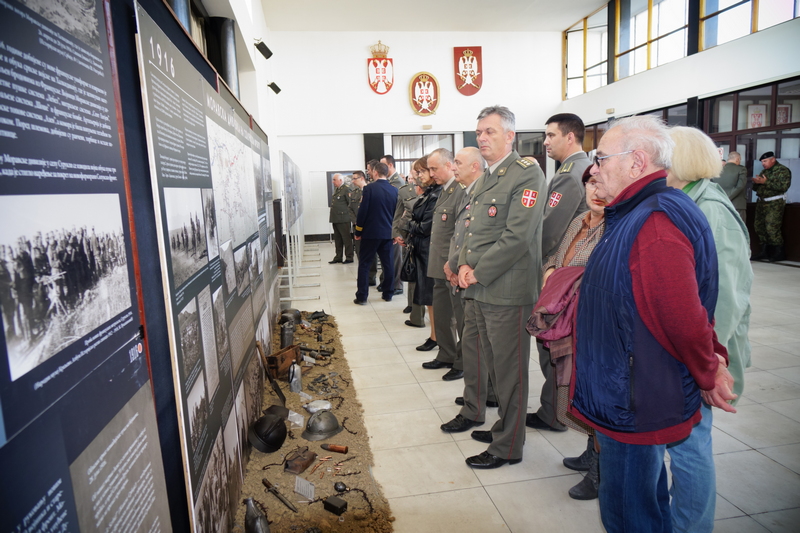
(499, 162)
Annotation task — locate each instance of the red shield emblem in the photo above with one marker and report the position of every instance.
(468, 65)
(381, 74)
(555, 198)
(424, 93)
(529, 197)
(492, 211)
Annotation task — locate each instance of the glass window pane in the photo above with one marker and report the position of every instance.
(727, 26)
(407, 146)
(712, 6)
(754, 108)
(676, 116)
(432, 142)
(530, 143)
(633, 24)
(588, 139)
(575, 54)
(721, 114)
(669, 48)
(669, 15)
(597, 77)
(771, 12)
(790, 148)
(788, 102)
(596, 44)
(574, 87)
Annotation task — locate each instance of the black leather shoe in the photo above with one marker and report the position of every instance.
(487, 460)
(489, 403)
(459, 424)
(380, 288)
(398, 292)
(589, 486)
(584, 460)
(386, 298)
(359, 302)
(427, 346)
(407, 309)
(409, 323)
(436, 364)
(453, 375)
(334, 261)
(482, 436)
(372, 283)
(532, 420)
(346, 261)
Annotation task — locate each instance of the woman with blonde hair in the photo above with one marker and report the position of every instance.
(694, 161)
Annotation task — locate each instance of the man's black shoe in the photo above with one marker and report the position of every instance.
(409, 323)
(482, 436)
(398, 292)
(359, 302)
(334, 261)
(427, 346)
(532, 420)
(386, 298)
(372, 283)
(407, 309)
(459, 424)
(346, 261)
(453, 375)
(380, 288)
(487, 460)
(489, 403)
(436, 364)
(584, 460)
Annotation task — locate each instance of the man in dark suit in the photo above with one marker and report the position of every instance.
(374, 230)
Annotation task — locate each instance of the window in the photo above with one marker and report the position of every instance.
(650, 33)
(586, 59)
(408, 148)
(726, 20)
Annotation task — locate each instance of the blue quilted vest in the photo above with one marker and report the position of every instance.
(625, 380)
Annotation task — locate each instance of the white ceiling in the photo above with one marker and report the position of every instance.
(430, 15)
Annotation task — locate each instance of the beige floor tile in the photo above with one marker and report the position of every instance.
(420, 470)
(456, 510)
(790, 408)
(758, 426)
(763, 387)
(791, 373)
(406, 429)
(442, 393)
(382, 376)
(425, 375)
(724, 443)
(770, 357)
(742, 478)
(414, 356)
(398, 324)
(742, 524)
(788, 456)
(393, 399)
(725, 509)
(568, 443)
(792, 347)
(772, 335)
(409, 336)
(543, 505)
(373, 357)
(363, 342)
(780, 521)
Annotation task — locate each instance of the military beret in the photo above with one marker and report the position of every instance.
(766, 155)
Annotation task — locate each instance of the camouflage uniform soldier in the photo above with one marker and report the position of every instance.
(771, 186)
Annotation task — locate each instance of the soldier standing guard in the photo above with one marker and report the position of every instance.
(771, 186)
(340, 219)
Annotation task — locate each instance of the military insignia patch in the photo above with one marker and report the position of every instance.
(529, 197)
(566, 168)
(524, 163)
(555, 198)
(466, 223)
(444, 217)
(492, 211)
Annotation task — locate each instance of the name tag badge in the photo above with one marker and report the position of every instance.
(492, 211)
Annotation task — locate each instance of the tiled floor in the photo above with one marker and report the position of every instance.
(422, 470)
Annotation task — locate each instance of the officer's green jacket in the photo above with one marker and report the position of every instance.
(504, 239)
(355, 202)
(406, 198)
(444, 223)
(566, 199)
(340, 205)
(779, 179)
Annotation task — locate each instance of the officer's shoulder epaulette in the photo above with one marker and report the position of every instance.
(524, 163)
(566, 167)
(462, 186)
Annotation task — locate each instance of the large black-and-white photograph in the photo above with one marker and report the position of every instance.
(253, 380)
(197, 408)
(242, 332)
(220, 327)
(258, 180)
(189, 327)
(270, 262)
(255, 259)
(63, 272)
(206, 316)
(211, 510)
(186, 230)
(76, 17)
(266, 173)
(242, 268)
(234, 465)
(241, 423)
(228, 267)
(211, 223)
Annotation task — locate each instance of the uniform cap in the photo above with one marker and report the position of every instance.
(766, 155)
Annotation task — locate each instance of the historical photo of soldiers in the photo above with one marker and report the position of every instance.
(255, 258)
(211, 223)
(186, 230)
(211, 509)
(234, 465)
(209, 343)
(242, 268)
(266, 175)
(228, 269)
(76, 17)
(253, 387)
(197, 407)
(270, 263)
(220, 327)
(241, 423)
(59, 279)
(189, 328)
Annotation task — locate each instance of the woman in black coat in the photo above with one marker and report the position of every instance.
(419, 236)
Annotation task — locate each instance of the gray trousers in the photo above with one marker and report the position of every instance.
(458, 311)
(506, 345)
(477, 386)
(444, 322)
(343, 240)
(397, 257)
(549, 395)
(417, 311)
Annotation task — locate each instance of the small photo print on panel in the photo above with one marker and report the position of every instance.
(186, 230)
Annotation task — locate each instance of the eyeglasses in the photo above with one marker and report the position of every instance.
(591, 185)
(598, 160)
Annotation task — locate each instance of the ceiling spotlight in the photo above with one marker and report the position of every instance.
(265, 51)
(274, 87)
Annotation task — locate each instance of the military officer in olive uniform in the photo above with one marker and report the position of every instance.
(359, 182)
(566, 199)
(340, 219)
(478, 391)
(500, 268)
(406, 198)
(771, 186)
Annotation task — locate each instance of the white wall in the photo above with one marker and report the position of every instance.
(768, 55)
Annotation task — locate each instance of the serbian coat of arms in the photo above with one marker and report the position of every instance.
(468, 69)
(380, 69)
(424, 93)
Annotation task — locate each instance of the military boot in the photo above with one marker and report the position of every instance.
(760, 256)
(777, 254)
(590, 484)
(582, 462)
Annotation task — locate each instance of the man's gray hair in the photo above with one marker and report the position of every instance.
(648, 133)
(736, 155)
(444, 155)
(506, 116)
